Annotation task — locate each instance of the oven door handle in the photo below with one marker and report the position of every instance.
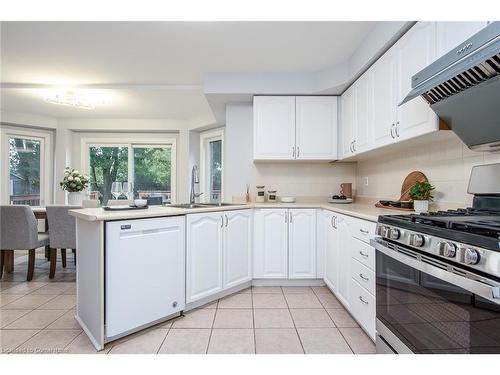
(482, 289)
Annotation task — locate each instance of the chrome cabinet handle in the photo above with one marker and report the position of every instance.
(354, 145)
(293, 152)
(396, 129)
(222, 221)
(392, 132)
(227, 220)
(364, 278)
(362, 300)
(286, 218)
(298, 151)
(364, 231)
(364, 255)
(291, 217)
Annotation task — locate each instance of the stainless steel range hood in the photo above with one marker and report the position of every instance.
(463, 88)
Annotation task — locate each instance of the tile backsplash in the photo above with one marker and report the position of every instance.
(446, 163)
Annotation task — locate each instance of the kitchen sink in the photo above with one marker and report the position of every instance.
(186, 205)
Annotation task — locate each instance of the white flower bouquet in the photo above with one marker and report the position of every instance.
(73, 180)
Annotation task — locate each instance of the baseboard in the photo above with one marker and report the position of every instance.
(288, 282)
(91, 337)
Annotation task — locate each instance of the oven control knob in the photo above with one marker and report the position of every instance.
(416, 240)
(448, 249)
(471, 256)
(395, 234)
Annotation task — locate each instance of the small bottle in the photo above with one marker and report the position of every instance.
(271, 196)
(261, 194)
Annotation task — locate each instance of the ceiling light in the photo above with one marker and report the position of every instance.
(72, 98)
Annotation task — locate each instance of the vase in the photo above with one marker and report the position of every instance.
(75, 198)
(421, 206)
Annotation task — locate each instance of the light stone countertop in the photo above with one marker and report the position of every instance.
(366, 211)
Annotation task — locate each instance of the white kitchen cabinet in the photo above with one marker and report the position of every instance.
(384, 86)
(295, 128)
(344, 261)
(363, 308)
(274, 127)
(204, 246)
(270, 244)
(316, 127)
(330, 278)
(237, 253)
(348, 121)
(452, 34)
(363, 98)
(302, 244)
(415, 50)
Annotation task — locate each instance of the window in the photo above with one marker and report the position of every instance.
(28, 165)
(211, 162)
(150, 168)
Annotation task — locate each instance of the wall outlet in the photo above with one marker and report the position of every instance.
(365, 181)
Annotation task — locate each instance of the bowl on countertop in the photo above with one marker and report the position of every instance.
(140, 202)
(287, 199)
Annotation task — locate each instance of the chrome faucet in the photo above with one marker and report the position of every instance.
(195, 179)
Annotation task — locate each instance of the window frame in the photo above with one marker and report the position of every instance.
(205, 138)
(131, 143)
(45, 137)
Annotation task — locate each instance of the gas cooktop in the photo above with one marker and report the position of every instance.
(478, 227)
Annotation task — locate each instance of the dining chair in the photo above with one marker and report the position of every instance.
(91, 203)
(119, 202)
(19, 231)
(62, 234)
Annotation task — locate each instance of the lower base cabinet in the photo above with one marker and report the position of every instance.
(218, 252)
(349, 266)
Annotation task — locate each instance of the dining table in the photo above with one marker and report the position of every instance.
(40, 214)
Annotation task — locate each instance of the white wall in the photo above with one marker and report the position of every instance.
(446, 163)
(297, 179)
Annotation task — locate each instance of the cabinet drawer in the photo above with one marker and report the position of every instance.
(363, 275)
(363, 230)
(364, 253)
(363, 308)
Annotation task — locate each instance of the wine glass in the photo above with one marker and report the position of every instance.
(128, 190)
(116, 189)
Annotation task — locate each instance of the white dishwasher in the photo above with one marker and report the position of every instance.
(144, 272)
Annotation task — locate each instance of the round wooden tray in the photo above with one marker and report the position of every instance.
(409, 181)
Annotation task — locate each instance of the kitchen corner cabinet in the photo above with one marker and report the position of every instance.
(285, 244)
(295, 127)
(344, 245)
(218, 252)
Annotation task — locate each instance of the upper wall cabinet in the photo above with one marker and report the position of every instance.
(295, 128)
(316, 127)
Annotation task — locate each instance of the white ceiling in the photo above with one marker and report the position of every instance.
(141, 56)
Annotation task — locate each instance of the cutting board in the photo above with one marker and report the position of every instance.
(409, 181)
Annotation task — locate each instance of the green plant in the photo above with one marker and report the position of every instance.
(421, 191)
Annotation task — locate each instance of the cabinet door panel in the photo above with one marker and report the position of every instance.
(302, 244)
(331, 244)
(316, 127)
(270, 244)
(348, 122)
(274, 127)
(237, 248)
(415, 50)
(364, 112)
(204, 255)
(384, 72)
(344, 261)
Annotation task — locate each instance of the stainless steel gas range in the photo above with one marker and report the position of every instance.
(438, 276)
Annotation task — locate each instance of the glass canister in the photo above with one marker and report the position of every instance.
(272, 196)
(261, 194)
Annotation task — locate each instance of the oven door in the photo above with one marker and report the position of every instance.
(425, 305)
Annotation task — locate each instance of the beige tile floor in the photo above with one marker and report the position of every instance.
(38, 317)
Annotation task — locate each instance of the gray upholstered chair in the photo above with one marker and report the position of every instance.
(19, 231)
(119, 202)
(62, 234)
(91, 203)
